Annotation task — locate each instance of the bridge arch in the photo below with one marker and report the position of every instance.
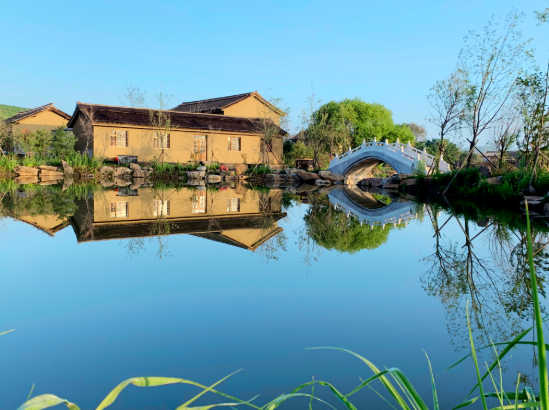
(357, 164)
(356, 205)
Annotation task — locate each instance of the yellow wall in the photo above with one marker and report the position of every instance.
(140, 208)
(45, 222)
(140, 143)
(252, 107)
(47, 120)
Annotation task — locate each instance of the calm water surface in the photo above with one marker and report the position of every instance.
(197, 284)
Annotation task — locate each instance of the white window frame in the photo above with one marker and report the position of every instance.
(233, 204)
(119, 136)
(120, 209)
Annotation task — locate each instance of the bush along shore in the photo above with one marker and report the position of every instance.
(480, 185)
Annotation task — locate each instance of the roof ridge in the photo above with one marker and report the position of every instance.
(169, 111)
(218, 98)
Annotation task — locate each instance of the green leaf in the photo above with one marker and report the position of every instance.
(466, 403)
(484, 405)
(44, 401)
(520, 406)
(335, 392)
(542, 358)
(386, 383)
(279, 400)
(185, 405)
(433, 387)
(159, 381)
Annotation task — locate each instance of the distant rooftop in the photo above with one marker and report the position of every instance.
(29, 113)
(216, 105)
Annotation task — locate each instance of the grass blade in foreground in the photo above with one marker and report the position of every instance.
(543, 379)
(473, 352)
(433, 387)
(45, 401)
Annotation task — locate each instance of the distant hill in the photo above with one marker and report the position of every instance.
(7, 111)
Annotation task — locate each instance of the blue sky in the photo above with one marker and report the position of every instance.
(389, 52)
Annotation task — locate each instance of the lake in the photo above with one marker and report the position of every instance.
(108, 284)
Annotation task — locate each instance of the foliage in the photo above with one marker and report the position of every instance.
(62, 143)
(259, 170)
(332, 229)
(451, 151)
(84, 163)
(8, 163)
(418, 169)
(365, 121)
(213, 166)
(168, 169)
(297, 150)
(7, 111)
(419, 131)
(382, 198)
(490, 62)
(33, 143)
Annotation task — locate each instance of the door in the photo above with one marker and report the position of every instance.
(199, 147)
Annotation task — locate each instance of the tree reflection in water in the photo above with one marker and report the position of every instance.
(329, 228)
(497, 285)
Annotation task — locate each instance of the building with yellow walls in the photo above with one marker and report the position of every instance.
(248, 105)
(47, 117)
(112, 131)
(235, 216)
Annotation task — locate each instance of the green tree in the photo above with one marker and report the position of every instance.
(62, 142)
(365, 121)
(451, 151)
(293, 151)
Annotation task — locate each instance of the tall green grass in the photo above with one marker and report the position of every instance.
(400, 392)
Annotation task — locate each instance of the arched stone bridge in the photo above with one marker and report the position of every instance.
(358, 164)
(367, 210)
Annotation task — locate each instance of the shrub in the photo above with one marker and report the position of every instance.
(260, 170)
(62, 142)
(8, 163)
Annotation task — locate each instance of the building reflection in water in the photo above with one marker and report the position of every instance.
(235, 215)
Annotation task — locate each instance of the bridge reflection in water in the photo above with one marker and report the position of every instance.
(363, 206)
(239, 217)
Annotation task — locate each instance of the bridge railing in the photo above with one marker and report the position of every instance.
(407, 151)
(402, 218)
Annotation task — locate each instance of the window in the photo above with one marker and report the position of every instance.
(199, 203)
(233, 205)
(161, 208)
(161, 140)
(119, 209)
(119, 138)
(199, 147)
(234, 143)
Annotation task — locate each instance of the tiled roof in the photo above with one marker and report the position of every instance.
(48, 107)
(108, 114)
(216, 105)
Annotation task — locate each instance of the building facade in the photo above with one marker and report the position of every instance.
(175, 136)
